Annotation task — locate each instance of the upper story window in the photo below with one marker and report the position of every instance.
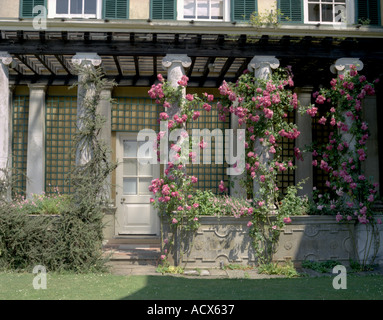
(327, 11)
(346, 12)
(203, 9)
(88, 9)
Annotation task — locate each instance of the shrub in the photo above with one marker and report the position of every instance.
(71, 241)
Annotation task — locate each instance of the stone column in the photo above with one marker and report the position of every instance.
(104, 109)
(371, 165)
(5, 123)
(88, 60)
(175, 65)
(342, 66)
(36, 140)
(262, 67)
(304, 169)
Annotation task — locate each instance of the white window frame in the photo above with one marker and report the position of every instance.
(52, 12)
(350, 13)
(226, 12)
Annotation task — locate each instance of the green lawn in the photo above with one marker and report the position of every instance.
(18, 286)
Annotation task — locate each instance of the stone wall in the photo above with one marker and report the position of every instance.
(226, 240)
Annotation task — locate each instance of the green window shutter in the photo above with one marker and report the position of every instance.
(163, 9)
(26, 7)
(368, 9)
(241, 10)
(116, 9)
(291, 10)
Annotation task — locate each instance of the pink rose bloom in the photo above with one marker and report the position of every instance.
(160, 77)
(287, 220)
(322, 121)
(207, 107)
(312, 111)
(196, 115)
(320, 99)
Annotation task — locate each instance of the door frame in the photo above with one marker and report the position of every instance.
(120, 136)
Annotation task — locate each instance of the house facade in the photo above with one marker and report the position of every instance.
(207, 40)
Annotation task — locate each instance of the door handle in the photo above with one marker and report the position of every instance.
(122, 200)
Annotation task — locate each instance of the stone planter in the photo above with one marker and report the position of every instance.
(226, 240)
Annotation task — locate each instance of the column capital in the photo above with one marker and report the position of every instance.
(37, 86)
(304, 90)
(108, 87)
(182, 59)
(263, 61)
(344, 64)
(5, 58)
(87, 57)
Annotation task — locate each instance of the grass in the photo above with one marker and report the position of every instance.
(18, 286)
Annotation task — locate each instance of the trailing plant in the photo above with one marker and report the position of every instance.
(89, 179)
(348, 194)
(262, 106)
(174, 192)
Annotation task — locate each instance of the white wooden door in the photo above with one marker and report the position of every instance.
(135, 214)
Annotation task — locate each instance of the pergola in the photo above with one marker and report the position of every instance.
(133, 57)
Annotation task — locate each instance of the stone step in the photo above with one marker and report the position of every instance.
(134, 240)
(120, 255)
(125, 251)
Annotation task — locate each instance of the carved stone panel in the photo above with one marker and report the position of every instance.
(226, 240)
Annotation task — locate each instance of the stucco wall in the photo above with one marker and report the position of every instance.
(9, 9)
(264, 6)
(139, 9)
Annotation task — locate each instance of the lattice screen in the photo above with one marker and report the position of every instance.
(210, 175)
(20, 142)
(61, 114)
(135, 114)
(320, 134)
(287, 178)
